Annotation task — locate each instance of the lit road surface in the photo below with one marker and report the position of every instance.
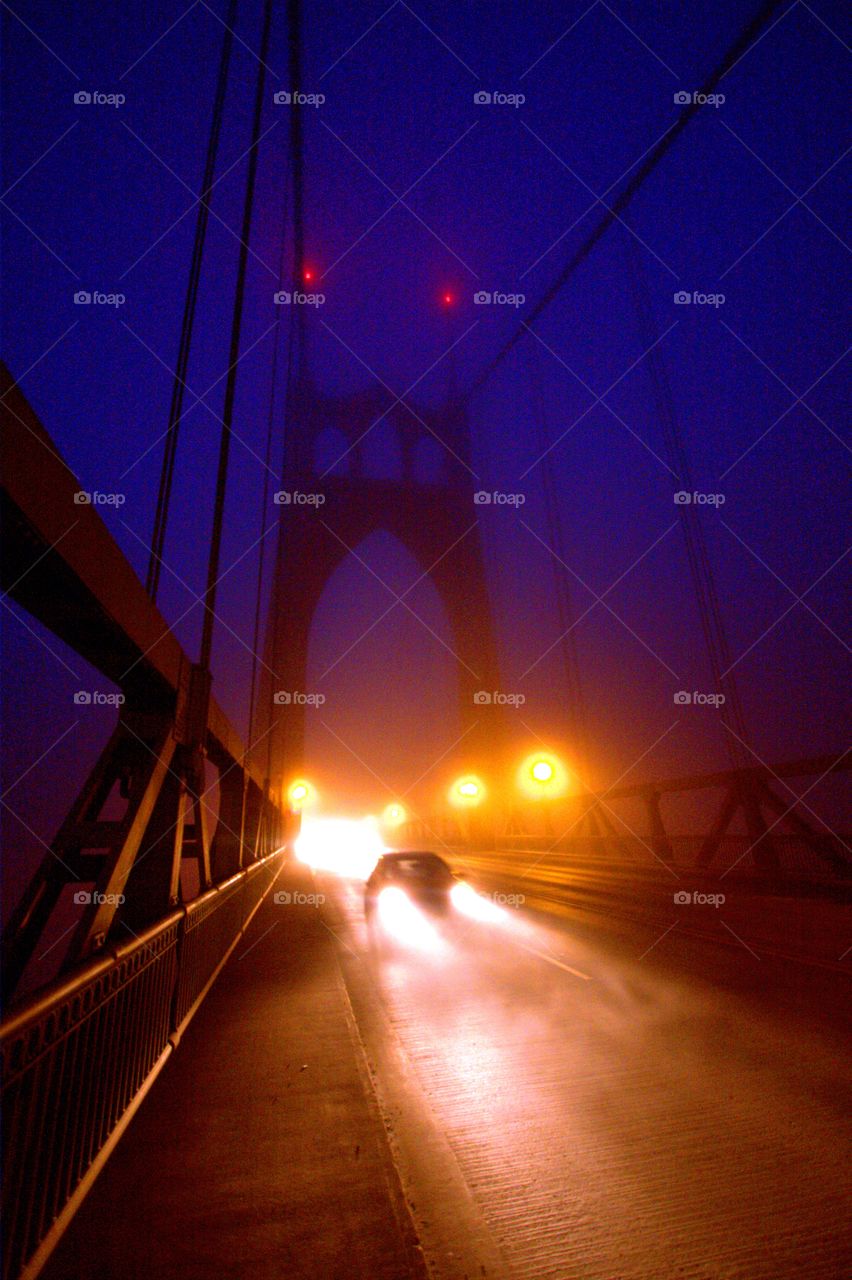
(562, 1106)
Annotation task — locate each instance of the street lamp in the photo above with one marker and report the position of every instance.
(394, 815)
(467, 792)
(542, 776)
(300, 794)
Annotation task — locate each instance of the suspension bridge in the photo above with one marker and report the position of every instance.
(210, 1064)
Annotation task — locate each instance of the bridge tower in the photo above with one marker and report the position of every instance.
(402, 470)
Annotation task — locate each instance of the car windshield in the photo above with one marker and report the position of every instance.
(427, 867)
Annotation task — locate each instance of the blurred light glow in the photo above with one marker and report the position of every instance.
(400, 918)
(542, 776)
(348, 847)
(300, 793)
(467, 792)
(394, 815)
(472, 904)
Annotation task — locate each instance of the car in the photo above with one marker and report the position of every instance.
(421, 875)
(412, 893)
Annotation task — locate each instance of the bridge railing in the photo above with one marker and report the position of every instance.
(211, 920)
(780, 841)
(81, 1054)
(795, 856)
(142, 828)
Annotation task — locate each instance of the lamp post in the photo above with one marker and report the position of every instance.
(300, 795)
(542, 777)
(394, 815)
(466, 794)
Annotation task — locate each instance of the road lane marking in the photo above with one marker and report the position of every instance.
(587, 977)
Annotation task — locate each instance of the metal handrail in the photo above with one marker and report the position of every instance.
(804, 849)
(79, 1056)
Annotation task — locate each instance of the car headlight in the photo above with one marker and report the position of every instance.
(472, 904)
(399, 917)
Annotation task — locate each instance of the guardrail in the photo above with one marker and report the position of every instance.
(796, 858)
(62, 566)
(80, 1055)
(780, 841)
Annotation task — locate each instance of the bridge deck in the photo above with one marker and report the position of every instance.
(582, 1093)
(259, 1152)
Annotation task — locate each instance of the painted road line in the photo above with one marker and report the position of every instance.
(542, 955)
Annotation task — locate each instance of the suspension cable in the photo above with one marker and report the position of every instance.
(161, 514)
(700, 566)
(295, 348)
(564, 600)
(648, 165)
(267, 461)
(233, 360)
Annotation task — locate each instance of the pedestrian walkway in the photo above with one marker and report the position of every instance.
(259, 1152)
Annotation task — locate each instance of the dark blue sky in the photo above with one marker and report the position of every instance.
(749, 203)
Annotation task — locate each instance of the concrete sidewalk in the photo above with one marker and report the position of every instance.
(260, 1151)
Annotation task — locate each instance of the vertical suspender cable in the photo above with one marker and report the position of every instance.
(567, 641)
(296, 320)
(231, 384)
(701, 569)
(264, 504)
(176, 409)
(262, 832)
(297, 157)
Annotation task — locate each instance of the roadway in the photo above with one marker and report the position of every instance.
(570, 1094)
(581, 1095)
